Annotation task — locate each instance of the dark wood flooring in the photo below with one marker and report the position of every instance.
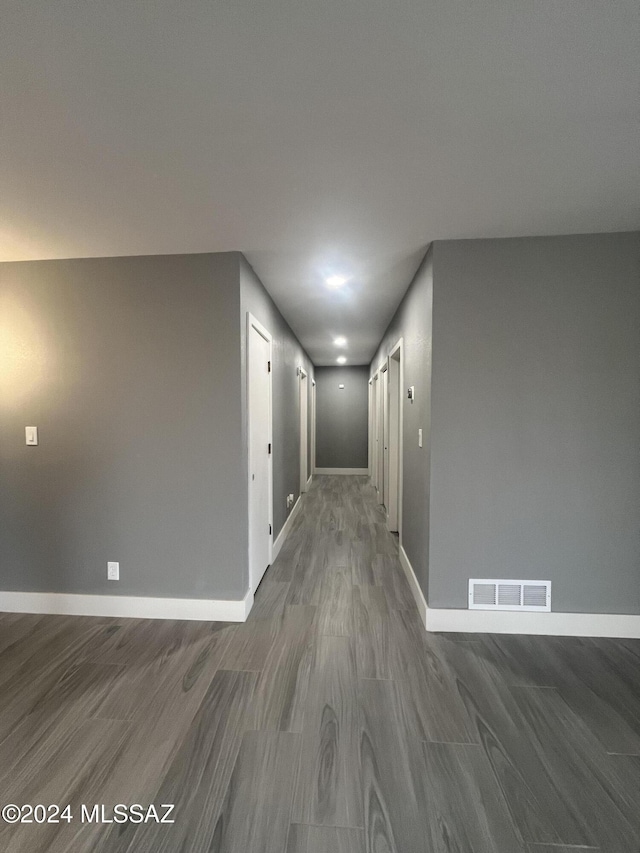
(329, 722)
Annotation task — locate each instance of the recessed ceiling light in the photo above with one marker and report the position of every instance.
(341, 359)
(340, 341)
(335, 281)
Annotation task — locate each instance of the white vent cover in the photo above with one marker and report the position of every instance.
(509, 595)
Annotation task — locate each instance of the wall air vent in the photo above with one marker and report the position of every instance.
(509, 595)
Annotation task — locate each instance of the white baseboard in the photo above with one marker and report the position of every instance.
(286, 528)
(306, 488)
(626, 626)
(549, 624)
(358, 471)
(127, 606)
(415, 586)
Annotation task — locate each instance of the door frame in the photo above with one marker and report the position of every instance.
(397, 354)
(374, 429)
(384, 432)
(253, 323)
(370, 431)
(313, 428)
(303, 390)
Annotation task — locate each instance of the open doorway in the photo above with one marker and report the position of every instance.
(304, 426)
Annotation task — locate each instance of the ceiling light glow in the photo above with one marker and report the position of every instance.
(340, 341)
(341, 359)
(336, 281)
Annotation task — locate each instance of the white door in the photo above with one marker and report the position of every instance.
(260, 467)
(304, 425)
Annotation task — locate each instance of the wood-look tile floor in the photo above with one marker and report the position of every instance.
(329, 722)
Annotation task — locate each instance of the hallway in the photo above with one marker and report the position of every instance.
(329, 722)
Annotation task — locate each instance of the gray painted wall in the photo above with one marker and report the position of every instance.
(413, 323)
(288, 355)
(134, 371)
(536, 418)
(342, 424)
(130, 368)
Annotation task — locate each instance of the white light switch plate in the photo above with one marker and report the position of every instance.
(113, 571)
(31, 435)
(419, 438)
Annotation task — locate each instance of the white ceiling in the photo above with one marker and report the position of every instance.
(315, 135)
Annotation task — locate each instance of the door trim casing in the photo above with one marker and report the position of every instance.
(253, 322)
(398, 349)
(303, 384)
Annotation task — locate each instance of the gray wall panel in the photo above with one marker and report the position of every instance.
(413, 323)
(536, 418)
(130, 369)
(342, 417)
